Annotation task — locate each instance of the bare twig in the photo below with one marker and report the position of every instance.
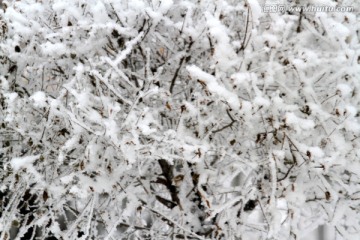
(179, 67)
(227, 125)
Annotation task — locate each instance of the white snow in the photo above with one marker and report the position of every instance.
(256, 11)
(53, 49)
(39, 99)
(316, 152)
(299, 123)
(165, 5)
(224, 52)
(11, 96)
(261, 101)
(213, 86)
(23, 162)
(344, 89)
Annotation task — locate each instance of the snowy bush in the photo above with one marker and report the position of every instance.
(177, 120)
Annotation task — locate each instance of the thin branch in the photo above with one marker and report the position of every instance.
(286, 174)
(243, 45)
(179, 67)
(226, 126)
(176, 74)
(167, 172)
(173, 223)
(117, 16)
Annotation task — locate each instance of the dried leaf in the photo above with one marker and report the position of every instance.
(250, 205)
(82, 165)
(168, 106)
(327, 195)
(45, 195)
(183, 108)
(162, 51)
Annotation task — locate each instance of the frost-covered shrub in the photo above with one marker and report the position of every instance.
(177, 120)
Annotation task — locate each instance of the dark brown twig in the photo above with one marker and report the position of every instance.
(227, 125)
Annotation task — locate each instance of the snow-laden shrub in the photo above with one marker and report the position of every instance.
(177, 120)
